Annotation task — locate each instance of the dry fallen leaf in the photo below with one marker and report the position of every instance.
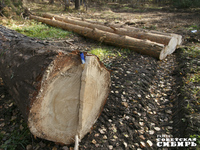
(125, 104)
(94, 141)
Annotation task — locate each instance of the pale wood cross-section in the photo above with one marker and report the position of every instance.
(59, 97)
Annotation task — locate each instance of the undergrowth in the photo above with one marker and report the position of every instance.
(110, 52)
(103, 53)
(40, 30)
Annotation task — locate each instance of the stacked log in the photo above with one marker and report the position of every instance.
(155, 44)
(54, 90)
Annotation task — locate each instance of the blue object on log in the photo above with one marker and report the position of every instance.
(82, 58)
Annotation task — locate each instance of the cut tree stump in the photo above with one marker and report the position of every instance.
(147, 47)
(60, 97)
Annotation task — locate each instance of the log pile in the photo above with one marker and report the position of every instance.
(58, 95)
(152, 43)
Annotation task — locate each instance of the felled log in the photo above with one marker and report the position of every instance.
(60, 97)
(155, 36)
(171, 41)
(130, 29)
(164, 34)
(147, 47)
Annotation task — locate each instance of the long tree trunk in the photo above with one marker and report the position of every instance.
(55, 92)
(171, 41)
(134, 32)
(159, 38)
(146, 47)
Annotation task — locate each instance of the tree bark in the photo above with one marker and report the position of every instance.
(159, 38)
(66, 4)
(171, 41)
(55, 92)
(77, 4)
(147, 47)
(130, 29)
(51, 1)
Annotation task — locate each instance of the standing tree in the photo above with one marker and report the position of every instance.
(66, 4)
(2, 5)
(51, 1)
(77, 4)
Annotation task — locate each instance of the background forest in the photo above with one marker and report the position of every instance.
(18, 5)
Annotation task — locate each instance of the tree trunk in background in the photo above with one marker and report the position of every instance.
(51, 1)
(2, 5)
(55, 92)
(66, 5)
(77, 4)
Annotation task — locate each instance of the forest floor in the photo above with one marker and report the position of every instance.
(148, 97)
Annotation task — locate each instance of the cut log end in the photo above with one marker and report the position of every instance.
(169, 49)
(59, 97)
(58, 111)
(94, 91)
(53, 115)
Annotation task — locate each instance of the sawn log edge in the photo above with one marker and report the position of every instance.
(58, 95)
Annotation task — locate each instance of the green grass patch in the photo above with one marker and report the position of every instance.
(41, 31)
(126, 8)
(194, 27)
(107, 54)
(104, 53)
(111, 52)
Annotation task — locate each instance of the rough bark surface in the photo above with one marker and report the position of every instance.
(147, 47)
(135, 32)
(165, 39)
(52, 87)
